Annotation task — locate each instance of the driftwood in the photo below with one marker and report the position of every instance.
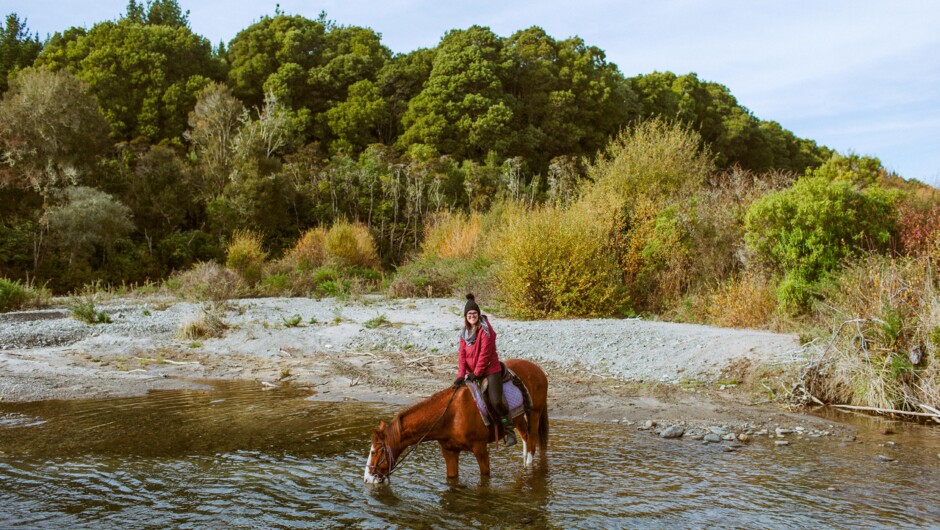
(935, 412)
(890, 411)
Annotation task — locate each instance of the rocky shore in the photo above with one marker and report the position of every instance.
(672, 380)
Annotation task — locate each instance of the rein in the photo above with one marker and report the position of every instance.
(393, 464)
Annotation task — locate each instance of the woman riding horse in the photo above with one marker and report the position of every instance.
(478, 360)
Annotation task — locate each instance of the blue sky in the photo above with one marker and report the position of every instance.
(856, 75)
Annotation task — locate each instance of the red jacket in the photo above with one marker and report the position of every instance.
(479, 357)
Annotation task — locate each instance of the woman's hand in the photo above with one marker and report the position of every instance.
(458, 382)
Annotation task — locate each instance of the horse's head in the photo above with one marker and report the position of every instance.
(381, 460)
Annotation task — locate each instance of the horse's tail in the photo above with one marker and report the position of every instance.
(543, 431)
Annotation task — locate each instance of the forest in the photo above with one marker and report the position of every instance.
(305, 158)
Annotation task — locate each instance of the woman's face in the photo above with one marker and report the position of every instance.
(473, 317)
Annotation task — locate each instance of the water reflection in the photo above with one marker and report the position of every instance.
(236, 455)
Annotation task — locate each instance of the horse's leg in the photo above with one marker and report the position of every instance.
(483, 458)
(452, 459)
(531, 441)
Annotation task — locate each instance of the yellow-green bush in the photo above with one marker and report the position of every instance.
(453, 235)
(308, 253)
(350, 245)
(554, 262)
(245, 255)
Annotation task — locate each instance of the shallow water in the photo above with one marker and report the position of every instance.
(240, 456)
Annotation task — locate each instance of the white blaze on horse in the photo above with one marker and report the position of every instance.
(451, 418)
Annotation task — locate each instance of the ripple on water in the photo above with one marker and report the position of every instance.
(239, 456)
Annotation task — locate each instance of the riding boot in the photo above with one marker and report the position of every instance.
(510, 438)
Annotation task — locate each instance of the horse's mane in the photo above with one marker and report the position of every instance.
(393, 429)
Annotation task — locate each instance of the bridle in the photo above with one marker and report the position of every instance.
(385, 452)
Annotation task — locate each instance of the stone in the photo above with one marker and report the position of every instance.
(673, 431)
(730, 437)
(712, 437)
(649, 424)
(781, 442)
(884, 458)
(744, 437)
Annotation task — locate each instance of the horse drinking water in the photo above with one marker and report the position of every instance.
(451, 418)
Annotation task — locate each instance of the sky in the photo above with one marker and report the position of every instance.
(858, 76)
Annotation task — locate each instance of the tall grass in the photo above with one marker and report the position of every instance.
(884, 349)
(208, 281)
(15, 295)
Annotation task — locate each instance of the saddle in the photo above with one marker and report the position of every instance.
(515, 394)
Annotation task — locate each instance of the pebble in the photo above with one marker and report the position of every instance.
(712, 437)
(884, 458)
(649, 424)
(743, 437)
(730, 437)
(781, 432)
(781, 442)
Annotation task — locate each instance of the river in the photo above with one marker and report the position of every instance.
(239, 456)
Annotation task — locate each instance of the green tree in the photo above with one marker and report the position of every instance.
(400, 80)
(275, 53)
(18, 49)
(51, 132)
(361, 119)
(462, 109)
(213, 132)
(146, 76)
(87, 223)
(159, 197)
(734, 134)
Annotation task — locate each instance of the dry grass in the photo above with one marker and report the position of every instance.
(208, 281)
(746, 302)
(884, 350)
(206, 324)
(453, 236)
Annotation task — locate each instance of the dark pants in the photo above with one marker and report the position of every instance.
(494, 391)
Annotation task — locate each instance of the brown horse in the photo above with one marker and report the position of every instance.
(450, 417)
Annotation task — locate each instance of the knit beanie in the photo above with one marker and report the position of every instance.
(471, 306)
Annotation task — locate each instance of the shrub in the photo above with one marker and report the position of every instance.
(308, 253)
(884, 315)
(805, 231)
(554, 263)
(452, 236)
(84, 310)
(14, 295)
(208, 281)
(350, 245)
(443, 278)
(745, 302)
(245, 255)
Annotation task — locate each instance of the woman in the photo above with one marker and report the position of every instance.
(478, 360)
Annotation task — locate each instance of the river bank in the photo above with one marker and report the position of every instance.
(655, 376)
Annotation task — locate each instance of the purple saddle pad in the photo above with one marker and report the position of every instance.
(511, 393)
